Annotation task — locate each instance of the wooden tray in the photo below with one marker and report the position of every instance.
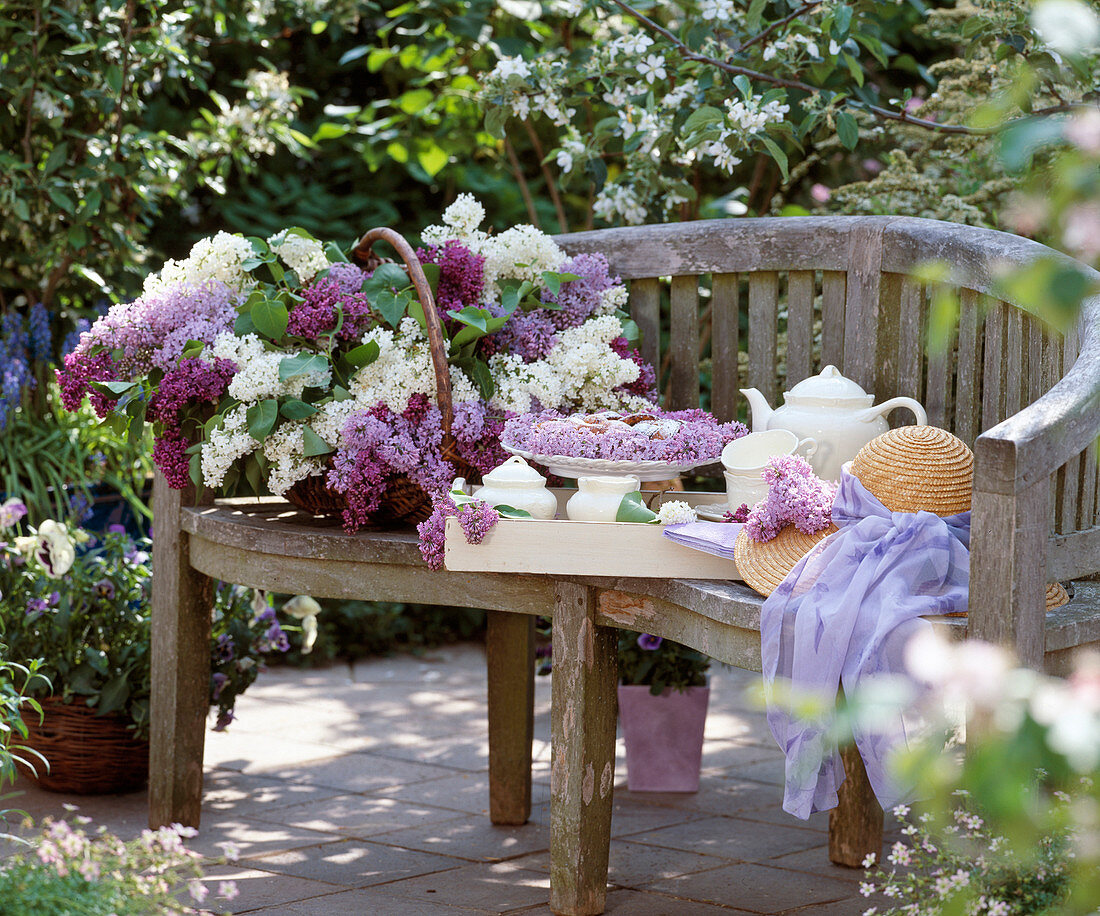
(560, 547)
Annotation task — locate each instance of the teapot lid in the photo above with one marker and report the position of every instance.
(514, 471)
(830, 385)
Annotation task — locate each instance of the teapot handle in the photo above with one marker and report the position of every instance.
(880, 410)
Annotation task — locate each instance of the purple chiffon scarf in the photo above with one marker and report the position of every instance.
(841, 619)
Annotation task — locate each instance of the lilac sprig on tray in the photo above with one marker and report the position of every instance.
(476, 518)
(693, 437)
(796, 496)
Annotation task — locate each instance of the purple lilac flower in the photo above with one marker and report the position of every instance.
(219, 681)
(192, 382)
(529, 335)
(322, 301)
(347, 276)
(149, 332)
(461, 274)
(170, 456)
(796, 496)
(649, 642)
(579, 299)
(476, 518)
(741, 515)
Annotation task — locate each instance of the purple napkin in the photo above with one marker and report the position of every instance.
(841, 618)
(713, 537)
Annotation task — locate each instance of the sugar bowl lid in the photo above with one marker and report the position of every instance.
(515, 472)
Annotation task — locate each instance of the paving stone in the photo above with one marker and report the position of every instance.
(355, 815)
(715, 796)
(244, 793)
(466, 792)
(757, 888)
(353, 772)
(774, 814)
(497, 888)
(472, 837)
(628, 902)
(252, 837)
(730, 838)
(628, 816)
(369, 901)
(635, 864)
(354, 863)
(857, 906)
(816, 861)
(125, 815)
(454, 751)
(261, 889)
(727, 758)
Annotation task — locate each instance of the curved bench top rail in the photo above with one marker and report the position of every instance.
(267, 544)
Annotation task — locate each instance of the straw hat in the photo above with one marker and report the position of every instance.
(764, 565)
(917, 467)
(1056, 595)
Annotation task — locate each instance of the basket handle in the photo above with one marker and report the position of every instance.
(437, 342)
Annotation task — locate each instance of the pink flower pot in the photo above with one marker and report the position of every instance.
(664, 737)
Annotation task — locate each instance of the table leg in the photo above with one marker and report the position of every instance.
(582, 773)
(510, 650)
(855, 824)
(180, 654)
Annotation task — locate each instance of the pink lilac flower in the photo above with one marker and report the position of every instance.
(170, 456)
(741, 515)
(645, 385)
(796, 496)
(190, 384)
(322, 301)
(461, 274)
(579, 299)
(348, 277)
(477, 520)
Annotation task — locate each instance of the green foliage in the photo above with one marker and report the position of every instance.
(56, 460)
(90, 625)
(14, 703)
(351, 630)
(659, 663)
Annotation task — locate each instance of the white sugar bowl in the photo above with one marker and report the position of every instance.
(517, 484)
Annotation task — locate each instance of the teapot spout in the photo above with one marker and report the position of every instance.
(761, 411)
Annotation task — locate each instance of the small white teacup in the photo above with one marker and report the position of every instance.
(744, 459)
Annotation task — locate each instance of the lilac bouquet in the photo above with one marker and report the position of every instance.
(683, 438)
(266, 362)
(796, 496)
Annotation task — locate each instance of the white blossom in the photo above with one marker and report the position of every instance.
(226, 444)
(305, 256)
(676, 512)
(652, 68)
(216, 258)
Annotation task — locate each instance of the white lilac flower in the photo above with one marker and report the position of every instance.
(306, 257)
(54, 549)
(459, 221)
(216, 258)
(226, 444)
(305, 609)
(285, 448)
(521, 253)
(258, 369)
(676, 512)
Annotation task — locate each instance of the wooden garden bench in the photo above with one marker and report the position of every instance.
(840, 291)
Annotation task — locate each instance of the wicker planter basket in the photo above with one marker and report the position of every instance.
(88, 754)
(405, 502)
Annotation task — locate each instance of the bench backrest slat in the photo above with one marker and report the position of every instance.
(801, 293)
(684, 344)
(834, 292)
(968, 391)
(725, 344)
(763, 332)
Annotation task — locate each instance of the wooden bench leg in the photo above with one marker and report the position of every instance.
(855, 824)
(510, 650)
(181, 605)
(582, 774)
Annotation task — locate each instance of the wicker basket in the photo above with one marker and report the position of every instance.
(87, 754)
(405, 502)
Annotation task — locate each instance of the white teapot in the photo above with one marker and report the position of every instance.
(832, 409)
(514, 483)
